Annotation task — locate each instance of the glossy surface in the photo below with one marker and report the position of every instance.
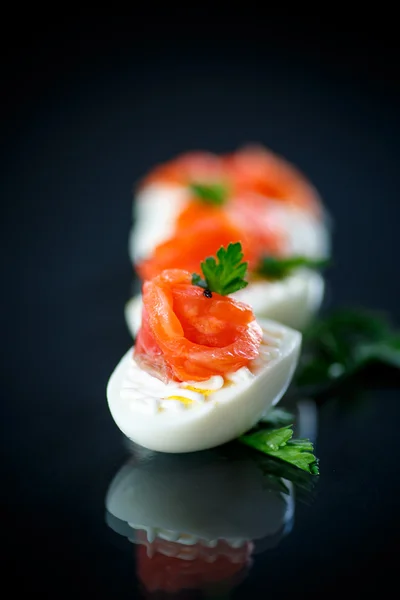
(88, 119)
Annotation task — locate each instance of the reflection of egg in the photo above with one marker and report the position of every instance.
(186, 417)
(291, 301)
(157, 206)
(198, 500)
(196, 518)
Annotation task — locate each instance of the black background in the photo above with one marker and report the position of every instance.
(88, 107)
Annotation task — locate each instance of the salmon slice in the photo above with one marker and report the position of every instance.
(201, 230)
(258, 170)
(190, 167)
(190, 244)
(186, 336)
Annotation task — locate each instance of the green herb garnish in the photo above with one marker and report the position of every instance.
(279, 444)
(215, 194)
(341, 344)
(278, 268)
(275, 471)
(226, 276)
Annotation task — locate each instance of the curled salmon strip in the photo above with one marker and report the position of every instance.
(186, 336)
(190, 244)
(255, 169)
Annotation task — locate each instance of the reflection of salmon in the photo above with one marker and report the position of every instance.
(171, 567)
(249, 170)
(202, 230)
(186, 336)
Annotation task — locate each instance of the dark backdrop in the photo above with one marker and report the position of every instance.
(87, 108)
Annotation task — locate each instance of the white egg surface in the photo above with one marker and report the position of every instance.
(190, 416)
(155, 210)
(292, 301)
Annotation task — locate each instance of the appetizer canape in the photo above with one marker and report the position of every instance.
(189, 540)
(203, 370)
(250, 176)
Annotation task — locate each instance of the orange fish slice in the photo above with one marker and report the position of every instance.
(251, 170)
(186, 336)
(260, 171)
(189, 245)
(202, 230)
(187, 168)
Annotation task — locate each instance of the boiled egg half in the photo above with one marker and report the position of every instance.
(157, 207)
(190, 416)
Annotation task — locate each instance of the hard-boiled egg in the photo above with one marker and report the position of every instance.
(188, 416)
(157, 207)
(155, 211)
(291, 301)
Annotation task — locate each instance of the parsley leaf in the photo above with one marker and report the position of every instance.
(226, 276)
(210, 193)
(341, 344)
(277, 473)
(279, 444)
(273, 267)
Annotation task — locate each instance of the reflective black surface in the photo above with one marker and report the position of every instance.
(84, 120)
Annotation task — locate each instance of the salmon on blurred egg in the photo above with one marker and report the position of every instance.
(251, 175)
(188, 208)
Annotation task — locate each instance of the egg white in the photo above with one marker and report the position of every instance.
(292, 301)
(147, 411)
(157, 207)
(155, 211)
